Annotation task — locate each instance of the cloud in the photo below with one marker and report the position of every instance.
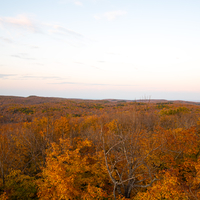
(112, 15)
(78, 3)
(23, 56)
(20, 21)
(29, 77)
(17, 56)
(101, 61)
(96, 68)
(41, 77)
(7, 40)
(91, 84)
(62, 30)
(70, 37)
(5, 76)
(24, 23)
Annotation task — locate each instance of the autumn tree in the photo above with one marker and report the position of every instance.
(178, 169)
(10, 155)
(73, 172)
(129, 156)
(19, 186)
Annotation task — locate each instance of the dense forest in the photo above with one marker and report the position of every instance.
(54, 148)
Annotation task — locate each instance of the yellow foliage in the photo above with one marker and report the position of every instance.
(166, 188)
(72, 172)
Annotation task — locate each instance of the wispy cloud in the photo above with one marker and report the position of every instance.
(11, 41)
(5, 76)
(41, 77)
(91, 84)
(112, 15)
(20, 21)
(101, 61)
(69, 36)
(16, 56)
(23, 56)
(64, 31)
(7, 40)
(78, 3)
(96, 67)
(30, 77)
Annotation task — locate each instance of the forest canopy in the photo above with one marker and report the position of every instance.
(54, 148)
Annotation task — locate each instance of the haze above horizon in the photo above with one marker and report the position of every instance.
(100, 49)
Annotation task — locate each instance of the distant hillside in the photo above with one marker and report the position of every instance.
(40, 100)
(28, 100)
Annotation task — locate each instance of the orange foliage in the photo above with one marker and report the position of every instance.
(38, 136)
(73, 172)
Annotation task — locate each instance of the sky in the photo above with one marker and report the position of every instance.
(100, 49)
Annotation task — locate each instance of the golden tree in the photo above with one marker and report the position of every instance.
(73, 172)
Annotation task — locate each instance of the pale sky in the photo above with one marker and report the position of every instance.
(99, 49)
